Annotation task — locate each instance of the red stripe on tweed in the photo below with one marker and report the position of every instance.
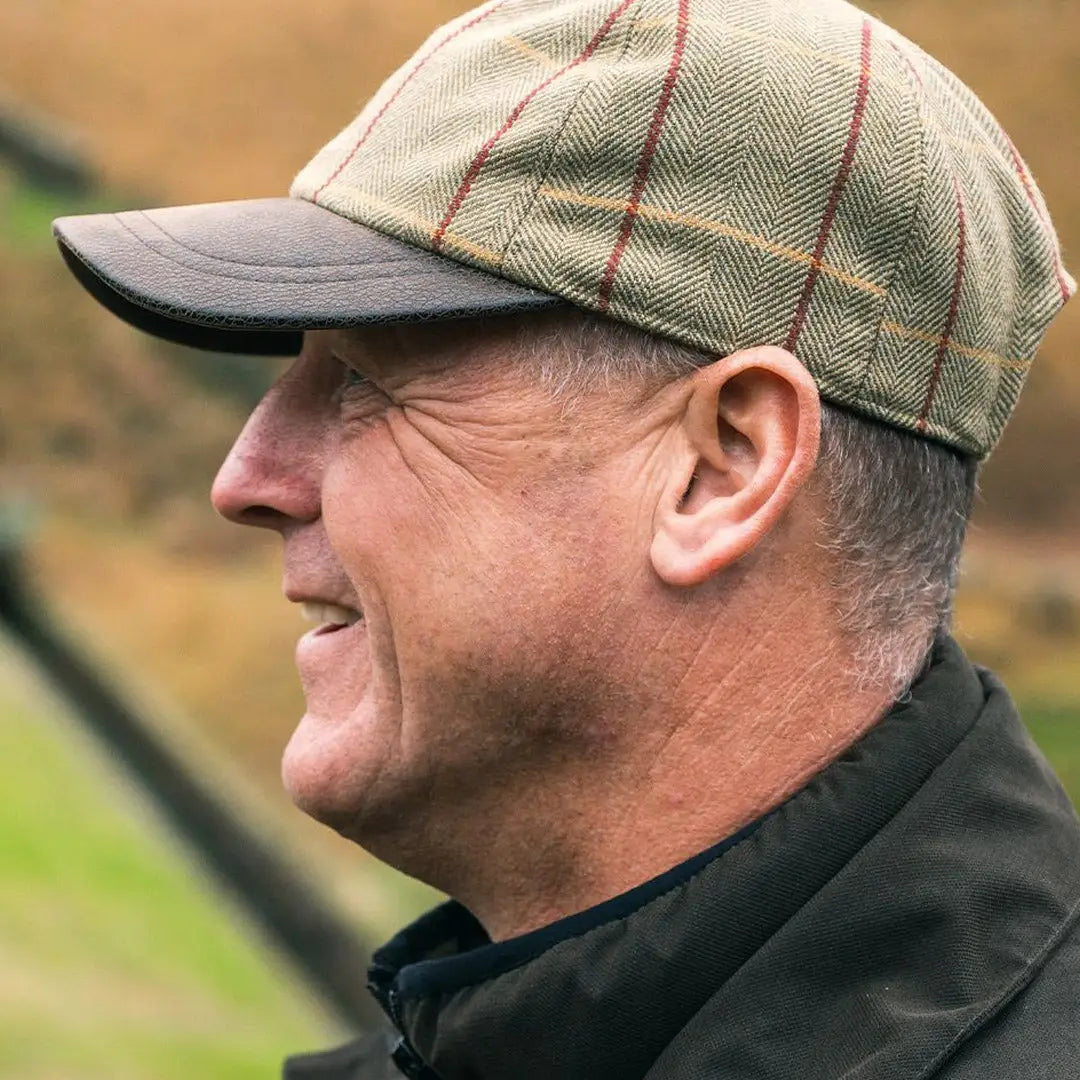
(954, 307)
(648, 152)
(485, 151)
(839, 184)
(394, 96)
(1025, 179)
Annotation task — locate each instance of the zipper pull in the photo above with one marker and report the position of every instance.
(404, 1055)
(409, 1062)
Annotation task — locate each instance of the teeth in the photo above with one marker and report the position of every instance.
(329, 613)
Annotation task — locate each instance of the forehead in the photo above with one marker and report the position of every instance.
(403, 348)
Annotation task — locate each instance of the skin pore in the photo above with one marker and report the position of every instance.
(596, 634)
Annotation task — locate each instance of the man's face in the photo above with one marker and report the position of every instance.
(477, 552)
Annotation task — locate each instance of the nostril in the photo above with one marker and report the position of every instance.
(265, 517)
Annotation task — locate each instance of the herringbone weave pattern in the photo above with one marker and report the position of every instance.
(727, 173)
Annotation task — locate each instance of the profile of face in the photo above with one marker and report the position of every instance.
(472, 550)
(511, 585)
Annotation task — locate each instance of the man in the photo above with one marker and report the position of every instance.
(649, 350)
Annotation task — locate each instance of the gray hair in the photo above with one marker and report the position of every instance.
(893, 506)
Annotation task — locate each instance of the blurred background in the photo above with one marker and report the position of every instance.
(119, 955)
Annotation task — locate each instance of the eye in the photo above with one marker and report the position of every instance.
(350, 382)
(351, 379)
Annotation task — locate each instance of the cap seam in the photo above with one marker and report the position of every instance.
(463, 27)
(840, 186)
(908, 73)
(710, 278)
(481, 159)
(540, 178)
(1020, 328)
(646, 158)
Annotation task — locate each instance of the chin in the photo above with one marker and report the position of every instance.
(323, 779)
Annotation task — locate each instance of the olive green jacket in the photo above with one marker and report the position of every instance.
(911, 913)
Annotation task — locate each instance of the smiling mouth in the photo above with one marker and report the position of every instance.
(330, 617)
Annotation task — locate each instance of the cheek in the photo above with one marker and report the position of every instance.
(468, 574)
(395, 505)
(368, 499)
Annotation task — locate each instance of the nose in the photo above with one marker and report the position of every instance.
(272, 476)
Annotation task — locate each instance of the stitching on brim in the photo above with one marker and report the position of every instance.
(364, 273)
(240, 262)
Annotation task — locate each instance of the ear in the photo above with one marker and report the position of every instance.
(752, 423)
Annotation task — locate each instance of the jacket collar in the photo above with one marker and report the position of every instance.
(860, 929)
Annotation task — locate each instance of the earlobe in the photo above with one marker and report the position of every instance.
(752, 424)
(685, 558)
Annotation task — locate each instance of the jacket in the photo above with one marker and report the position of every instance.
(912, 912)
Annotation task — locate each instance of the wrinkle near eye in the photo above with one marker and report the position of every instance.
(417, 433)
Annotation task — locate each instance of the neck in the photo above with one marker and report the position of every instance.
(741, 727)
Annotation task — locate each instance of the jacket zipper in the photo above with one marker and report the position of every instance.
(404, 1054)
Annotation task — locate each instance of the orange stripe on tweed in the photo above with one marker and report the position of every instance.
(690, 221)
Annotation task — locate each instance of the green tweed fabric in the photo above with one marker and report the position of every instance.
(726, 173)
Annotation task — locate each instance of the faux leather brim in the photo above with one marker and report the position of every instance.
(251, 276)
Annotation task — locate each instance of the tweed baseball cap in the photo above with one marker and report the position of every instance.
(725, 173)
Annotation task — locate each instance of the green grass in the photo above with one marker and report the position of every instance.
(116, 960)
(1055, 726)
(27, 212)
